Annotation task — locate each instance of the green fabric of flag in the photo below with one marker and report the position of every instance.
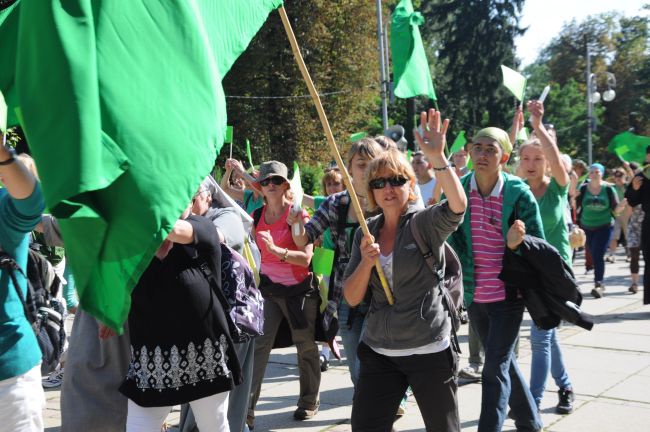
(629, 147)
(410, 67)
(8, 41)
(125, 113)
(322, 261)
(514, 81)
(3, 114)
(459, 143)
(249, 154)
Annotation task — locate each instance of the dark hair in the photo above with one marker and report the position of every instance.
(385, 142)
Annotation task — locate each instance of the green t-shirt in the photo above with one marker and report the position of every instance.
(596, 209)
(553, 208)
(250, 203)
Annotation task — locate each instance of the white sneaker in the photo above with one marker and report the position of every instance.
(471, 372)
(54, 380)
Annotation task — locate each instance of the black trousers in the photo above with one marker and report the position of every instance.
(383, 381)
(645, 247)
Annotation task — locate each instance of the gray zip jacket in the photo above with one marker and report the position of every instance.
(417, 317)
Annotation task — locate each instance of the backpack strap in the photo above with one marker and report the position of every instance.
(437, 269)
(257, 215)
(10, 265)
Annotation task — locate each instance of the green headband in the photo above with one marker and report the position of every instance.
(498, 135)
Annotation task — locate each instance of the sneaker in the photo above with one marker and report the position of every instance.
(565, 403)
(598, 291)
(634, 288)
(471, 372)
(54, 380)
(610, 259)
(304, 414)
(324, 363)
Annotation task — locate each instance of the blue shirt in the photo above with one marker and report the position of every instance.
(19, 351)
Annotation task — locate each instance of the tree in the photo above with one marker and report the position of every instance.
(338, 43)
(618, 45)
(473, 37)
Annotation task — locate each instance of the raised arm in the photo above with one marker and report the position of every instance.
(549, 145)
(433, 145)
(17, 179)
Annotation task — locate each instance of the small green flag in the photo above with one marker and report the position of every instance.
(3, 114)
(322, 261)
(228, 138)
(629, 147)
(522, 135)
(514, 81)
(409, 156)
(459, 143)
(358, 136)
(248, 153)
(410, 67)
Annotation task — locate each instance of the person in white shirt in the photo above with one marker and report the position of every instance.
(425, 176)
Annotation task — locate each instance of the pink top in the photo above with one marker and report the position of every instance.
(278, 271)
(488, 246)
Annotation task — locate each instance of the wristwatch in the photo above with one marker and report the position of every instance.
(12, 157)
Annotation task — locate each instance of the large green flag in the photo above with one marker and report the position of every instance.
(629, 147)
(410, 67)
(124, 111)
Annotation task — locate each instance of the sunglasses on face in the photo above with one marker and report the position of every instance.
(276, 180)
(381, 182)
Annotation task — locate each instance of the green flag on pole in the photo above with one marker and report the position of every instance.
(629, 147)
(249, 154)
(459, 143)
(410, 67)
(125, 113)
(229, 133)
(515, 82)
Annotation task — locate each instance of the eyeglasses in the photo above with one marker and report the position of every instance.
(487, 150)
(276, 180)
(381, 182)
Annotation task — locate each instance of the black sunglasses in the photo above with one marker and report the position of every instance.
(276, 180)
(381, 182)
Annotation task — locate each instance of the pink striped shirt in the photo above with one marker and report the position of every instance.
(488, 244)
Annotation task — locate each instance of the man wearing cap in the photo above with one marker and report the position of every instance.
(501, 210)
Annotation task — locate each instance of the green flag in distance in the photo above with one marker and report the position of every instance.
(459, 143)
(514, 81)
(249, 154)
(358, 136)
(410, 67)
(629, 147)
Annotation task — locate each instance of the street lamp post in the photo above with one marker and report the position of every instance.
(593, 96)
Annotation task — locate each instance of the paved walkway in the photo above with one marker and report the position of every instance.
(609, 368)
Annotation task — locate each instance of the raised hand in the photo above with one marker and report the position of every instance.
(434, 141)
(536, 109)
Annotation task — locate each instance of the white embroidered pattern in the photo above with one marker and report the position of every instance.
(153, 368)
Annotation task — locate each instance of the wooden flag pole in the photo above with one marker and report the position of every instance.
(330, 140)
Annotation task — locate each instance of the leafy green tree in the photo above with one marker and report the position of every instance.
(473, 39)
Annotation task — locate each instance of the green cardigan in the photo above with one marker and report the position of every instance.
(515, 194)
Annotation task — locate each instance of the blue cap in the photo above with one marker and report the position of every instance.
(598, 166)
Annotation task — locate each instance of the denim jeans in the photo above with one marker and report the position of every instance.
(547, 355)
(351, 335)
(597, 243)
(497, 324)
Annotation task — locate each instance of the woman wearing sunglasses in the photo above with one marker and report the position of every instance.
(407, 343)
(290, 291)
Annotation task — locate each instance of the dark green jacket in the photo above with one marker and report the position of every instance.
(516, 194)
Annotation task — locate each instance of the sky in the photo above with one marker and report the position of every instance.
(545, 18)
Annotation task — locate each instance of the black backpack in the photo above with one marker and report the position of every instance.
(43, 311)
